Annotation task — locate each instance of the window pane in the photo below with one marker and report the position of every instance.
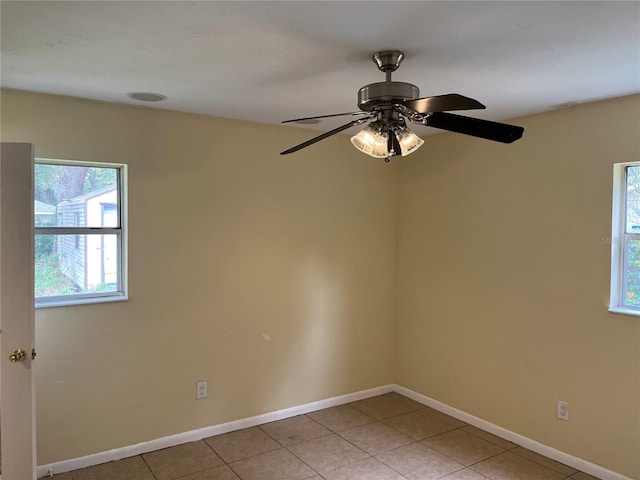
(76, 264)
(633, 200)
(75, 196)
(631, 295)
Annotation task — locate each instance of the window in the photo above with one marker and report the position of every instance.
(80, 232)
(625, 239)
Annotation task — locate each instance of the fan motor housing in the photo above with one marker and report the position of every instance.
(385, 93)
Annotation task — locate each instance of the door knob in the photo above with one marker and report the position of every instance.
(18, 355)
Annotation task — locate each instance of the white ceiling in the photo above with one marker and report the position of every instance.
(269, 61)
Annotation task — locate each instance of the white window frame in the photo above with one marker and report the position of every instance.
(619, 238)
(121, 233)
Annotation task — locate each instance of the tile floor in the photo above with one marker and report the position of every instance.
(388, 437)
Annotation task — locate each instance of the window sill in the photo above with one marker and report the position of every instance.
(80, 301)
(625, 311)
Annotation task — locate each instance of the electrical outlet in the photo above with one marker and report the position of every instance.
(201, 391)
(563, 410)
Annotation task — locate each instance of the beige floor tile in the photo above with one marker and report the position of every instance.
(241, 444)
(327, 453)
(542, 460)
(406, 400)
(219, 473)
(508, 466)
(367, 469)
(294, 430)
(418, 425)
(417, 462)
(277, 465)
(463, 447)
(466, 474)
(489, 437)
(444, 417)
(181, 460)
(583, 476)
(132, 468)
(382, 407)
(341, 418)
(376, 438)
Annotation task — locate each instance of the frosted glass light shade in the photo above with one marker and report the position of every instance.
(409, 141)
(371, 142)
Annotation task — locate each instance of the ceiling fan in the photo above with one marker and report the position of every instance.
(386, 105)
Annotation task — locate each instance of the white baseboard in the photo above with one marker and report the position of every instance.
(549, 452)
(199, 434)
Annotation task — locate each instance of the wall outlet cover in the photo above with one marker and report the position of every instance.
(563, 410)
(201, 391)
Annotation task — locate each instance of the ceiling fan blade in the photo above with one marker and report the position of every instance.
(357, 121)
(324, 116)
(499, 132)
(442, 103)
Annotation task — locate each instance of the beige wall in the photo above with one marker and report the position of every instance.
(270, 277)
(274, 278)
(504, 281)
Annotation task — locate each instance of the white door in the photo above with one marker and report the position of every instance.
(17, 339)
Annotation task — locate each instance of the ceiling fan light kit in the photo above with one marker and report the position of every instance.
(387, 104)
(374, 140)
